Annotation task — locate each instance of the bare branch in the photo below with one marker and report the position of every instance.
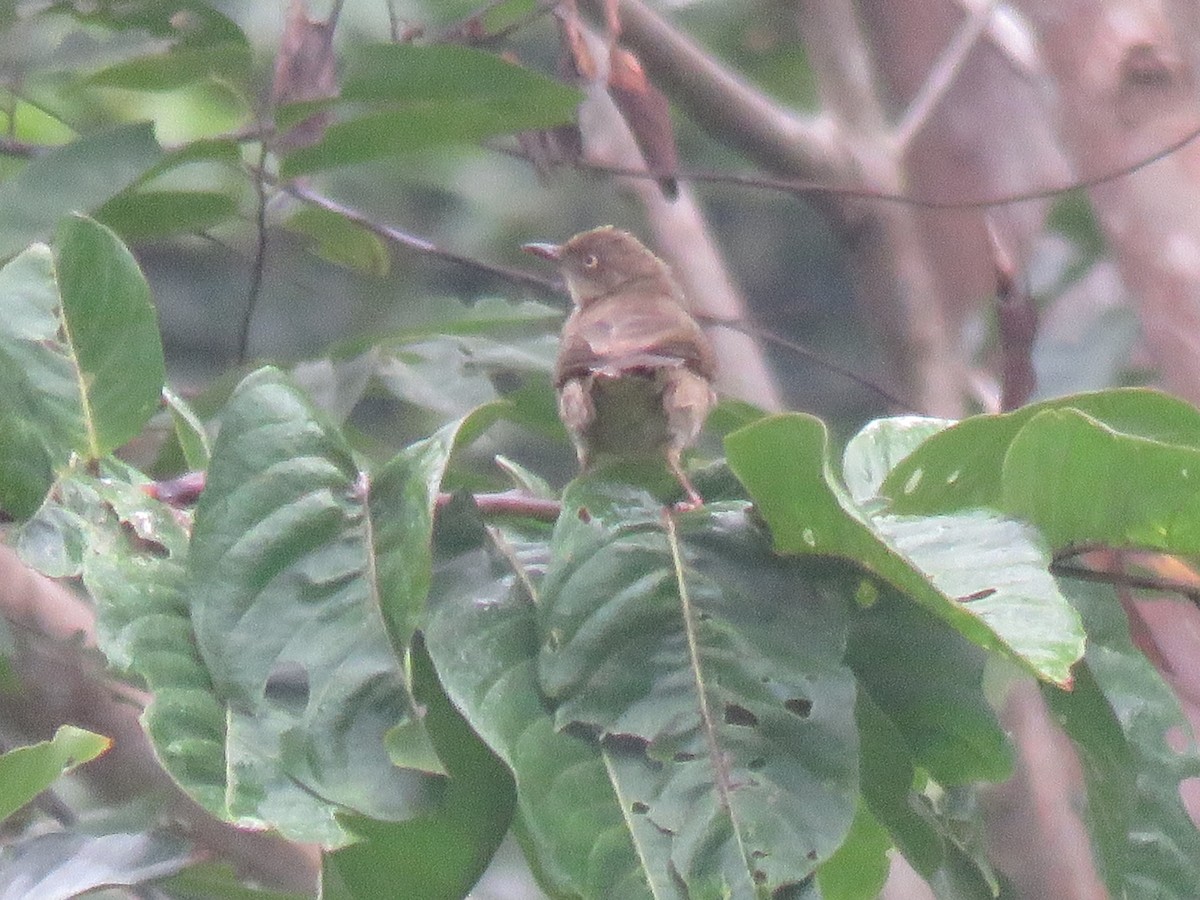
(943, 74)
(726, 106)
(394, 235)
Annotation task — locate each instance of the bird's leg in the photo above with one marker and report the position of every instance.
(694, 500)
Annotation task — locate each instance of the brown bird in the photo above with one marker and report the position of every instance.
(634, 370)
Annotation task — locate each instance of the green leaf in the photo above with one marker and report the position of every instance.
(179, 66)
(858, 868)
(482, 637)
(962, 467)
(437, 94)
(1081, 481)
(930, 839)
(711, 672)
(189, 431)
(81, 175)
(192, 22)
(131, 552)
(983, 574)
(1119, 716)
(219, 881)
(877, 449)
(929, 679)
(443, 853)
(80, 358)
(111, 330)
(342, 242)
(302, 566)
(27, 771)
(154, 215)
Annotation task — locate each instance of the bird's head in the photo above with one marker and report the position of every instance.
(602, 261)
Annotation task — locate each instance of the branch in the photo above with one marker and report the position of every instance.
(943, 74)
(394, 235)
(727, 107)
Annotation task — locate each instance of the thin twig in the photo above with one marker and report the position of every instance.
(260, 255)
(804, 187)
(420, 244)
(945, 71)
(800, 350)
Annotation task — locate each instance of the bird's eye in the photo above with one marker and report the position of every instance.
(590, 261)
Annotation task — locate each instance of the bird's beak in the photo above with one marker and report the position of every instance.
(552, 252)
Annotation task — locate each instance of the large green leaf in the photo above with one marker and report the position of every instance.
(931, 840)
(984, 574)
(434, 94)
(962, 467)
(1119, 716)
(79, 176)
(710, 671)
(81, 362)
(180, 66)
(581, 838)
(27, 771)
(1083, 482)
(306, 579)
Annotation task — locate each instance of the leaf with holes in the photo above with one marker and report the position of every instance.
(482, 637)
(962, 466)
(132, 555)
(307, 575)
(710, 672)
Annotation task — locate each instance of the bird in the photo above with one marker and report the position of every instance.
(634, 371)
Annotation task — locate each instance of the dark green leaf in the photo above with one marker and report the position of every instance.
(152, 215)
(857, 869)
(711, 671)
(80, 357)
(437, 94)
(187, 21)
(450, 73)
(79, 176)
(301, 567)
(179, 66)
(482, 637)
(929, 679)
(111, 330)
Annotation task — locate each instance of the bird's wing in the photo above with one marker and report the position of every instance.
(648, 334)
